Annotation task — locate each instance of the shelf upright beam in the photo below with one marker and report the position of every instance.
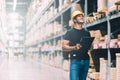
(86, 5)
(108, 42)
(25, 48)
(85, 11)
(62, 25)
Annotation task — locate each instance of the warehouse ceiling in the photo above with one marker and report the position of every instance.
(21, 6)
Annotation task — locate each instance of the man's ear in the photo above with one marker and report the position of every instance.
(75, 21)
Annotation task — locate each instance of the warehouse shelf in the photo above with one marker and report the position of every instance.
(52, 50)
(16, 47)
(52, 41)
(62, 11)
(104, 19)
(47, 7)
(38, 14)
(47, 51)
(60, 49)
(102, 53)
(96, 22)
(59, 14)
(116, 15)
(60, 17)
(53, 37)
(59, 35)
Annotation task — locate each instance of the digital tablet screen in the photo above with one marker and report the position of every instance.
(86, 42)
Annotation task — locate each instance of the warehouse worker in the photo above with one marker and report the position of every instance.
(79, 59)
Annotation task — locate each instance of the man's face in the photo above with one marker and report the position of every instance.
(79, 19)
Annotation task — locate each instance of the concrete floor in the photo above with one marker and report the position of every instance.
(30, 70)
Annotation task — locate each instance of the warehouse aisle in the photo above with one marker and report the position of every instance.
(29, 70)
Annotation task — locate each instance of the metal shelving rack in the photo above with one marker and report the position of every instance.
(60, 17)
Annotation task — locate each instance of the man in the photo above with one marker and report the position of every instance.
(79, 58)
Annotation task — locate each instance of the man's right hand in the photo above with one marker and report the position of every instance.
(77, 46)
(66, 47)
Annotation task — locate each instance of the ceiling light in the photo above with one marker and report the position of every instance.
(14, 5)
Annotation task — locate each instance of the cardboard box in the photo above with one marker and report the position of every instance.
(111, 5)
(103, 69)
(117, 66)
(102, 5)
(66, 65)
(76, 7)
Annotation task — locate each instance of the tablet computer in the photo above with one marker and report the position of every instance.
(86, 42)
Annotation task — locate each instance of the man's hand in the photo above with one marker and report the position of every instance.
(77, 47)
(66, 47)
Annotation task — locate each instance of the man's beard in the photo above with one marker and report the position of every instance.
(80, 22)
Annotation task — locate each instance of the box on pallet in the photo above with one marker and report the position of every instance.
(117, 5)
(60, 5)
(58, 59)
(91, 60)
(117, 66)
(66, 3)
(89, 19)
(113, 73)
(114, 43)
(102, 43)
(112, 6)
(94, 76)
(97, 34)
(66, 64)
(103, 69)
(76, 7)
(102, 5)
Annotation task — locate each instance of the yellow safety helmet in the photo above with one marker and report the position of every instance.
(75, 13)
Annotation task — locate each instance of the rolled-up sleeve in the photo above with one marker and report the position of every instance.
(67, 36)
